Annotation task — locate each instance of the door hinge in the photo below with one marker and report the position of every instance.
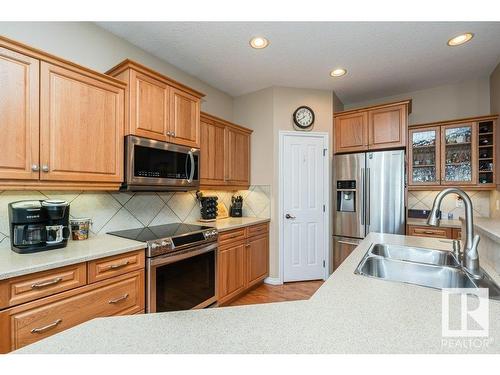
(324, 208)
(324, 264)
(324, 152)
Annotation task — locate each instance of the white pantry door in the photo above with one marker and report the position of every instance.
(305, 166)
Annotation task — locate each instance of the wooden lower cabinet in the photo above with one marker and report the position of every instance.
(243, 262)
(61, 309)
(257, 258)
(231, 271)
(424, 231)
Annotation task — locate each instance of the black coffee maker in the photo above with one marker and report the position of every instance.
(38, 225)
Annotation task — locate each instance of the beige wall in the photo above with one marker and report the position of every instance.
(495, 108)
(447, 102)
(267, 112)
(89, 45)
(255, 111)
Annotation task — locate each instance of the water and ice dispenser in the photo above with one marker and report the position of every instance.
(346, 196)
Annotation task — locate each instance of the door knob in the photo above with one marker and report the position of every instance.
(35, 168)
(288, 216)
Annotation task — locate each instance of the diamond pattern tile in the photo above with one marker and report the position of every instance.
(182, 204)
(145, 206)
(122, 197)
(165, 216)
(121, 221)
(100, 207)
(124, 210)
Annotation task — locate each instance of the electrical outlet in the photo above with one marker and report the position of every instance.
(459, 203)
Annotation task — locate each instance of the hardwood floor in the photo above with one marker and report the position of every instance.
(279, 293)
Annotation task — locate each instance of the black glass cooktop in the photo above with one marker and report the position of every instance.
(158, 231)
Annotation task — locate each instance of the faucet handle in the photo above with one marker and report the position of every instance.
(456, 249)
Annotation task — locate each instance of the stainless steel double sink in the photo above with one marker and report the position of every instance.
(425, 267)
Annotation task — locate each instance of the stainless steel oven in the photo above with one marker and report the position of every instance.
(155, 166)
(183, 280)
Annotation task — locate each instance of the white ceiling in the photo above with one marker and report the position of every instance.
(382, 58)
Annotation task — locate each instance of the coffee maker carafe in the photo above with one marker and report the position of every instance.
(37, 225)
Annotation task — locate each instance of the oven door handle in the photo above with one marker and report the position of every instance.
(188, 253)
(191, 159)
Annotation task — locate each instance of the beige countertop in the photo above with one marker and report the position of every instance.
(233, 223)
(488, 227)
(348, 314)
(13, 264)
(444, 223)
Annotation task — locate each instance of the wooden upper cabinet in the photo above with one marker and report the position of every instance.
(185, 118)
(351, 132)
(387, 127)
(81, 126)
(224, 154)
(212, 160)
(238, 157)
(424, 156)
(374, 128)
(157, 107)
(150, 107)
(19, 116)
(458, 154)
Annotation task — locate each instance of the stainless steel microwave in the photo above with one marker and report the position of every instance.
(159, 166)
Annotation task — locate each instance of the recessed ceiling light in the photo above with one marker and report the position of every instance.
(460, 39)
(259, 42)
(338, 72)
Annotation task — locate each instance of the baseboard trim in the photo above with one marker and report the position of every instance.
(273, 281)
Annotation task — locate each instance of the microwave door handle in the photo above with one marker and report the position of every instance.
(191, 158)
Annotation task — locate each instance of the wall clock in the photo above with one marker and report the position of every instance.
(303, 117)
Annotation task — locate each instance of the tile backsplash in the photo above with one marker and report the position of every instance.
(116, 210)
(423, 200)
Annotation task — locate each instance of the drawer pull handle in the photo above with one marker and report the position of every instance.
(47, 327)
(429, 232)
(116, 266)
(47, 283)
(113, 301)
(234, 236)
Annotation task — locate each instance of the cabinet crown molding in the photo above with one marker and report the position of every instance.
(408, 102)
(211, 119)
(130, 64)
(457, 121)
(47, 57)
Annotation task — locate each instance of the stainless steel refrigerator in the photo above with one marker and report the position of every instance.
(368, 197)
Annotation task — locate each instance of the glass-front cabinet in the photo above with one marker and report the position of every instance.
(424, 168)
(453, 153)
(458, 150)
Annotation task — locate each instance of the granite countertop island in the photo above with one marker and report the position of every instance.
(444, 223)
(348, 314)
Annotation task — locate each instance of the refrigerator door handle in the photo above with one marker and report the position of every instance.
(367, 195)
(362, 194)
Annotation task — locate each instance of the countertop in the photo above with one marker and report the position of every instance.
(348, 314)
(229, 223)
(489, 227)
(13, 264)
(100, 246)
(443, 223)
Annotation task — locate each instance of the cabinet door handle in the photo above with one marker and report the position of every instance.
(45, 168)
(46, 283)
(247, 245)
(120, 265)
(173, 134)
(47, 327)
(35, 167)
(168, 133)
(116, 300)
(348, 243)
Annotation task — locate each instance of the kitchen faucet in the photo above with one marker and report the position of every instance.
(470, 258)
